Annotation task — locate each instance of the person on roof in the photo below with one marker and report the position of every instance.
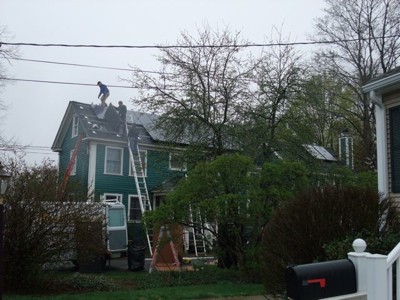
(122, 114)
(104, 93)
(122, 111)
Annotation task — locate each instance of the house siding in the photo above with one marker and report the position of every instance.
(390, 101)
(157, 172)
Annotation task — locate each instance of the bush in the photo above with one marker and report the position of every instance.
(317, 225)
(38, 230)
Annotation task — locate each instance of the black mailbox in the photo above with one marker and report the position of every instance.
(321, 280)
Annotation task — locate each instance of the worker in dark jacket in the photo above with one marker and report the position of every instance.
(104, 93)
(122, 114)
(133, 136)
(122, 111)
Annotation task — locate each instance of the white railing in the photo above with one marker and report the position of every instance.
(375, 271)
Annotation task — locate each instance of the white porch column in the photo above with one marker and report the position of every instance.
(381, 143)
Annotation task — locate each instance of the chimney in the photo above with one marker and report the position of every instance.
(346, 149)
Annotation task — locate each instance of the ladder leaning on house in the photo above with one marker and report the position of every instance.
(69, 169)
(197, 232)
(140, 182)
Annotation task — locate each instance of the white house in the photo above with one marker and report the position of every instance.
(384, 92)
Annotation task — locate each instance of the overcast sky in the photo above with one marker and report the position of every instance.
(35, 110)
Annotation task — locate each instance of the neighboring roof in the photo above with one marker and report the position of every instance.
(320, 153)
(384, 83)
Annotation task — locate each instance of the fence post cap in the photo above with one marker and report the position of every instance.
(359, 245)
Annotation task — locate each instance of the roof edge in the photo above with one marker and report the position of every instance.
(383, 84)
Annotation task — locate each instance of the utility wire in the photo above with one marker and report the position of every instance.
(70, 64)
(248, 45)
(83, 65)
(66, 83)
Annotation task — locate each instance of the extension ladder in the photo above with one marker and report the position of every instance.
(69, 169)
(197, 232)
(140, 182)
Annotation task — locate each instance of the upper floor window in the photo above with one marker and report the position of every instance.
(113, 161)
(177, 162)
(140, 169)
(75, 126)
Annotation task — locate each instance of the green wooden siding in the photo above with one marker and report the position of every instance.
(157, 172)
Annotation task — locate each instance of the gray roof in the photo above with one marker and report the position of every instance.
(319, 152)
(104, 124)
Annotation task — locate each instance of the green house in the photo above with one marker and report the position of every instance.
(103, 163)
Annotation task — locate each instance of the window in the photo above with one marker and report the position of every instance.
(143, 158)
(116, 217)
(73, 171)
(135, 212)
(394, 115)
(75, 126)
(158, 200)
(177, 162)
(114, 158)
(118, 197)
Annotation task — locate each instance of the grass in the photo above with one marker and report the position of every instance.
(205, 282)
(167, 293)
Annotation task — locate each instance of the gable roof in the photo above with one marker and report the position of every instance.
(103, 124)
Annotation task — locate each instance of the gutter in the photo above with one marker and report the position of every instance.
(382, 84)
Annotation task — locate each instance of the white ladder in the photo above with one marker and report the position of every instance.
(141, 186)
(197, 233)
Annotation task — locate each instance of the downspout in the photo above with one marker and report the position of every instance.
(381, 143)
(91, 170)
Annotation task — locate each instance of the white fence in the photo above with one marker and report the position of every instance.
(375, 271)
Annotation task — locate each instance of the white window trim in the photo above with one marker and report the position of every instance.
(105, 160)
(118, 196)
(129, 208)
(75, 126)
(143, 153)
(184, 166)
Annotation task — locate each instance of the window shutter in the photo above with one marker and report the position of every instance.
(395, 147)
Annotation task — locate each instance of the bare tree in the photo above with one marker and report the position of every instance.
(314, 115)
(198, 89)
(366, 42)
(6, 53)
(272, 87)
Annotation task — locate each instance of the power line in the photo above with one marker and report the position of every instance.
(83, 65)
(70, 64)
(248, 45)
(64, 82)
